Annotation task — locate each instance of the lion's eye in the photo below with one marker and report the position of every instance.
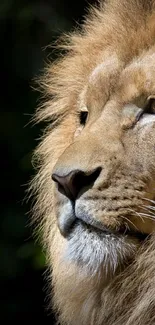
(150, 105)
(83, 117)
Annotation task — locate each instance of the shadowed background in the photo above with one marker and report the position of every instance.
(26, 28)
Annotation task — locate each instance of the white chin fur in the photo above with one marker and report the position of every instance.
(96, 250)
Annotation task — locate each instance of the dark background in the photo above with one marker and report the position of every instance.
(26, 28)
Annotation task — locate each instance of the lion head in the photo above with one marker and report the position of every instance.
(98, 210)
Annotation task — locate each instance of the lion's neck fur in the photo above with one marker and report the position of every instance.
(126, 299)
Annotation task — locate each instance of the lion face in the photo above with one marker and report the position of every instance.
(105, 177)
(98, 212)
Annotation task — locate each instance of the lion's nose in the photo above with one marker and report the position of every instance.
(72, 183)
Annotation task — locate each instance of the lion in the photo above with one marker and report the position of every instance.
(95, 183)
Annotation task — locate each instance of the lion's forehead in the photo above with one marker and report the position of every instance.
(125, 81)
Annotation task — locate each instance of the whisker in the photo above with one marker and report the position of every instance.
(148, 208)
(137, 214)
(145, 215)
(152, 201)
(126, 228)
(129, 221)
(151, 207)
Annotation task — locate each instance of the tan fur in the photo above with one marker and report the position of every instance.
(109, 69)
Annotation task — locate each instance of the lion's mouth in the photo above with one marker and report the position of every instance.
(93, 225)
(96, 226)
(70, 217)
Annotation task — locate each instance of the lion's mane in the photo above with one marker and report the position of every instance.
(126, 28)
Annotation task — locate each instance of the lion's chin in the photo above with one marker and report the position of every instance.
(97, 250)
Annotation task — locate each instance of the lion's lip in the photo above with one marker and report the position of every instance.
(94, 223)
(67, 222)
(98, 226)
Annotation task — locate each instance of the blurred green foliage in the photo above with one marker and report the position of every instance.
(27, 27)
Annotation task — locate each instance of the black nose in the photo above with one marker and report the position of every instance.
(72, 183)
